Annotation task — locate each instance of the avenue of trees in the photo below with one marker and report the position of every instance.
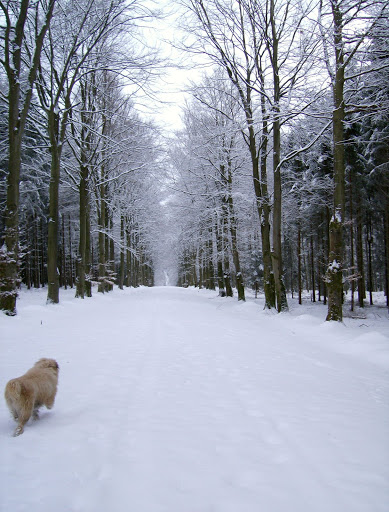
(278, 180)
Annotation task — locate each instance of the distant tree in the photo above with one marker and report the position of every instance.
(267, 48)
(374, 121)
(222, 32)
(219, 118)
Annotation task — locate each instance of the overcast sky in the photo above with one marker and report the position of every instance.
(172, 87)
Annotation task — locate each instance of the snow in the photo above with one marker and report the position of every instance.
(177, 400)
(334, 266)
(337, 217)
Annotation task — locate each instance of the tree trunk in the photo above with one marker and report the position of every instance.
(352, 262)
(226, 262)
(234, 242)
(299, 264)
(106, 247)
(122, 251)
(386, 228)
(369, 241)
(63, 255)
(128, 255)
(70, 266)
(112, 270)
(219, 246)
(88, 252)
(37, 257)
(29, 247)
(102, 276)
(263, 208)
(103, 222)
(313, 270)
(80, 287)
(9, 253)
(335, 265)
(360, 265)
(281, 300)
(52, 243)
(210, 266)
(201, 271)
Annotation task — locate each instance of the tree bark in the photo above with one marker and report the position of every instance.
(70, 266)
(263, 208)
(335, 266)
(52, 248)
(281, 300)
(313, 270)
(112, 272)
(299, 264)
(226, 256)
(80, 287)
(219, 245)
(210, 266)
(352, 262)
(369, 241)
(122, 251)
(386, 230)
(88, 252)
(102, 223)
(360, 265)
(9, 253)
(234, 239)
(263, 201)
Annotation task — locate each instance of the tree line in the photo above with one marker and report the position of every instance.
(296, 104)
(75, 154)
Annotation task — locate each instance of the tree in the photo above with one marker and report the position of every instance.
(221, 120)
(22, 38)
(68, 47)
(221, 34)
(343, 20)
(266, 48)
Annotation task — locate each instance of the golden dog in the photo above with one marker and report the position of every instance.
(38, 386)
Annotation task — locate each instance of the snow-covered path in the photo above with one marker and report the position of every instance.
(174, 400)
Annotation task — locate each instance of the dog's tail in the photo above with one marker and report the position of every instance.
(14, 387)
(13, 391)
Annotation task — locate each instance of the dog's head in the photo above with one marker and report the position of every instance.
(47, 363)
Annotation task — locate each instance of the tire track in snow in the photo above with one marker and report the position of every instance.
(111, 479)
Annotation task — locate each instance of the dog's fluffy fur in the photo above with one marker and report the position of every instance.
(26, 394)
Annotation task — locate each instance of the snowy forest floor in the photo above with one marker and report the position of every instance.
(176, 400)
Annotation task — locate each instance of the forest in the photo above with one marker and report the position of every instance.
(277, 180)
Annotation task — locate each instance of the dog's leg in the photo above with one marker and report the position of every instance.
(24, 416)
(35, 414)
(50, 402)
(22, 421)
(18, 430)
(14, 414)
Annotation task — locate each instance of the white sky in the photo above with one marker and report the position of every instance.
(172, 87)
